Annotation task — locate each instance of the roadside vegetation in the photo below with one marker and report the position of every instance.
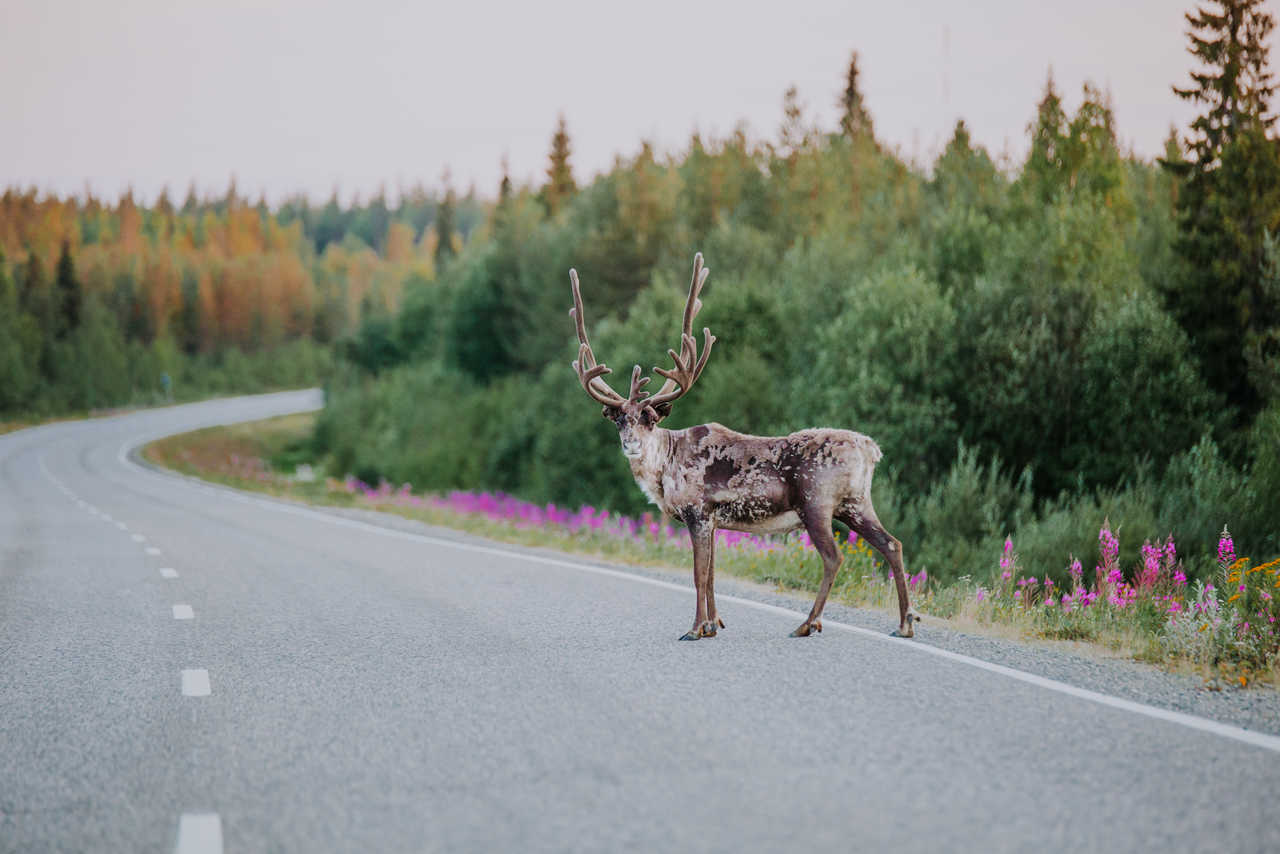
(1224, 628)
(1041, 348)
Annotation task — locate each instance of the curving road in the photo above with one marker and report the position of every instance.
(187, 668)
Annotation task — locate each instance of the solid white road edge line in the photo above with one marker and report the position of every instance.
(167, 572)
(1250, 737)
(199, 833)
(183, 612)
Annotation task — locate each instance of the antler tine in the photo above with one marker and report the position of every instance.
(637, 384)
(689, 365)
(589, 373)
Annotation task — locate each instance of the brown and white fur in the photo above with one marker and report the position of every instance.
(712, 477)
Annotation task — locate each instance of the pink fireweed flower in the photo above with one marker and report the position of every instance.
(1108, 543)
(1226, 548)
(981, 594)
(1076, 570)
(1151, 558)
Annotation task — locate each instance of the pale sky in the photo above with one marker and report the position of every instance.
(305, 96)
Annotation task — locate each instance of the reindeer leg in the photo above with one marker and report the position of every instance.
(713, 621)
(818, 524)
(701, 533)
(870, 529)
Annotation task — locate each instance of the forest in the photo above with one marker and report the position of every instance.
(108, 305)
(1037, 346)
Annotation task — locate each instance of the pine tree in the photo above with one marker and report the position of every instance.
(560, 186)
(1047, 158)
(1229, 198)
(16, 365)
(192, 202)
(188, 319)
(504, 188)
(855, 121)
(445, 224)
(68, 294)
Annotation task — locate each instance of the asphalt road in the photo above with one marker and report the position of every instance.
(334, 686)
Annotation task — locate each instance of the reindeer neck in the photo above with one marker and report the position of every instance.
(649, 467)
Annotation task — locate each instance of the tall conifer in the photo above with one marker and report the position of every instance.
(1229, 198)
(560, 186)
(855, 121)
(68, 294)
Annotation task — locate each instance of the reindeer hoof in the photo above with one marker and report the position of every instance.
(690, 636)
(708, 630)
(720, 621)
(807, 629)
(908, 627)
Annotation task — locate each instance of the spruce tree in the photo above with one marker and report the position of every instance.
(560, 186)
(445, 224)
(1229, 198)
(855, 121)
(1047, 158)
(1236, 87)
(68, 294)
(504, 188)
(188, 319)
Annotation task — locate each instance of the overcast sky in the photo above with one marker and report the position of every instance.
(305, 96)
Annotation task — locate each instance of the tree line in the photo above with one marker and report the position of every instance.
(1088, 334)
(104, 304)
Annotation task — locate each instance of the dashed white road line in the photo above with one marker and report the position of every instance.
(195, 683)
(122, 526)
(152, 550)
(183, 612)
(138, 538)
(168, 572)
(199, 833)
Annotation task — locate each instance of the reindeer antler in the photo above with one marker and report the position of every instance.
(688, 364)
(589, 373)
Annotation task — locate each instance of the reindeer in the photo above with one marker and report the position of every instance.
(712, 477)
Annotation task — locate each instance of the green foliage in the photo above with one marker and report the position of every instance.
(961, 521)
(444, 229)
(883, 363)
(1000, 333)
(68, 294)
(1229, 199)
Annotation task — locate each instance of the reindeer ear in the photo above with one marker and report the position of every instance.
(662, 410)
(608, 412)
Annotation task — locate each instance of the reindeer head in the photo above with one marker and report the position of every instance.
(637, 414)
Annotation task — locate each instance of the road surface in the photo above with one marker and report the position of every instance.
(187, 668)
